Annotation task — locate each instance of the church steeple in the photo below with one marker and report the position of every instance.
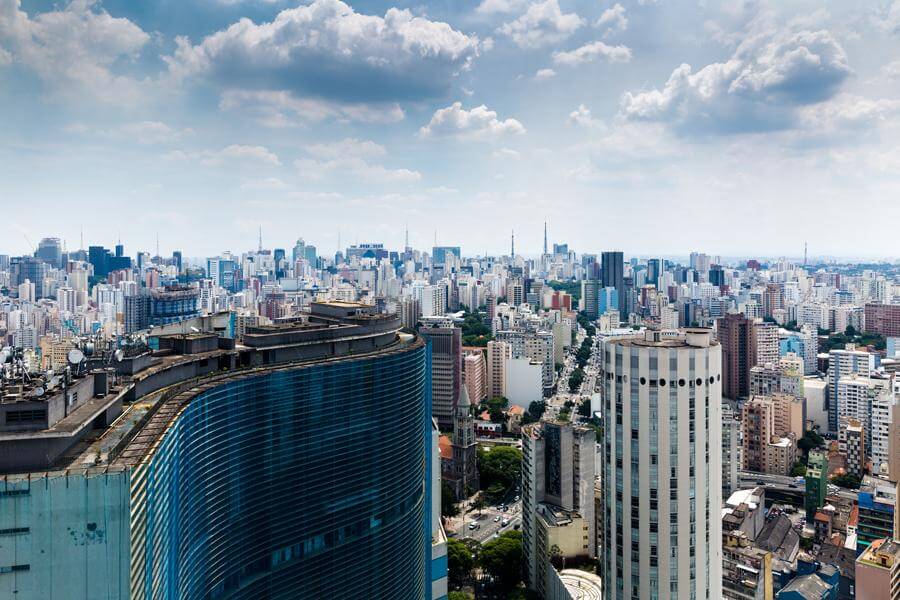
(464, 420)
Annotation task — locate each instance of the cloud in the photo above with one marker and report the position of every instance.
(581, 117)
(760, 88)
(350, 157)
(888, 19)
(543, 74)
(613, 20)
(268, 184)
(489, 7)
(282, 109)
(592, 51)
(148, 132)
(233, 155)
(846, 112)
(73, 50)
(506, 153)
(346, 147)
(891, 70)
(478, 123)
(541, 25)
(328, 52)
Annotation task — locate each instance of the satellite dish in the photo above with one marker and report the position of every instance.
(5, 356)
(54, 381)
(38, 392)
(119, 355)
(89, 349)
(75, 356)
(195, 330)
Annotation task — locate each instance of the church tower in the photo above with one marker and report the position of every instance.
(465, 473)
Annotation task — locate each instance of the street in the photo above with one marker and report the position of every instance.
(487, 525)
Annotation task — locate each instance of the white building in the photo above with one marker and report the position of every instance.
(524, 381)
(662, 466)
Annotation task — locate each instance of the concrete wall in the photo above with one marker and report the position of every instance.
(524, 383)
(74, 543)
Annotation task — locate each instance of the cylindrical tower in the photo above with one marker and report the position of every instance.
(661, 398)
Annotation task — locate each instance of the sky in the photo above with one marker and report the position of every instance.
(654, 127)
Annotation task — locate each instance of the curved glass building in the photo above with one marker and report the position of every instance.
(298, 464)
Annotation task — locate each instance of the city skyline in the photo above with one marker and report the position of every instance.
(471, 120)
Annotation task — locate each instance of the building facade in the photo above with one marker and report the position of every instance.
(661, 397)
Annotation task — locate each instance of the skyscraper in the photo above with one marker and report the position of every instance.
(557, 497)
(735, 338)
(661, 397)
(49, 250)
(612, 273)
(446, 371)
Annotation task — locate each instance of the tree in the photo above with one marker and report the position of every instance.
(584, 409)
(811, 439)
(448, 501)
(460, 561)
(459, 596)
(848, 480)
(502, 559)
(799, 469)
(536, 409)
(479, 503)
(502, 464)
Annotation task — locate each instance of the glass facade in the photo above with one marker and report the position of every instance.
(306, 482)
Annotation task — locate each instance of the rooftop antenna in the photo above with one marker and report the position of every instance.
(407, 235)
(339, 239)
(82, 238)
(805, 246)
(157, 243)
(260, 238)
(545, 237)
(512, 244)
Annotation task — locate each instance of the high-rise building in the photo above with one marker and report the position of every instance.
(557, 497)
(816, 483)
(731, 461)
(763, 343)
(49, 250)
(734, 336)
(841, 365)
(612, 274)
(590, 296)
(878, 571)
(31, 269)
(883, 319)
(410, 311)
(497, 355)
(475, 375)
(289, 463)
(661, 397)
(446, 371)
(439, 254)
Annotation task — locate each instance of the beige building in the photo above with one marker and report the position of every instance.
(475, 375)
(878, 571)
(771, 425)
(781, 453)
(497, 355)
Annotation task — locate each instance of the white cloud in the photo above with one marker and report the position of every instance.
(613, 20)
(543, 74)
(73, 50)
(346, 147)
(349, 157)
(327, 52)
(759, 88)
(592, 51)
(892, 69)
(282, 109)
(489, 7)
(541, 25)
(354, 167)
(847, 112)
(268, 184)
(478, 123)
(148, 132)
(888, 19)
(233, 155)
(506, 153)
(581, 117)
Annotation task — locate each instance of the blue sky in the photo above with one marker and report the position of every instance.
(738, 128)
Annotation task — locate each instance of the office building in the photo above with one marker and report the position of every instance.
(883, 319)
(661, 397)
(613, 275)
(733, 331)
(474, 375)
(446, 371)
(731, 455)
(31, 269)
(49, 250)
(852, 440)
(497, 355)
(841, 365)
(876, 515)
(557, 498)
(439, 254)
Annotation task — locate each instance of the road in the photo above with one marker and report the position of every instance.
(487, 525)
(785, 483)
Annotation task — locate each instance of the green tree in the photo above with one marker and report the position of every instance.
(798, 470)
(536, 409)
(584, 409)
(448, 501)
(502, 464)
(810, 440)
(460, 561)
(479, 503)
(847, 480)
(459, 596)
(502, 559)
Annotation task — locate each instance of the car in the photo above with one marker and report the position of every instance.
(505, 522)
(497, 519)
(504, 508)
(473, 526)
(516, 499)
